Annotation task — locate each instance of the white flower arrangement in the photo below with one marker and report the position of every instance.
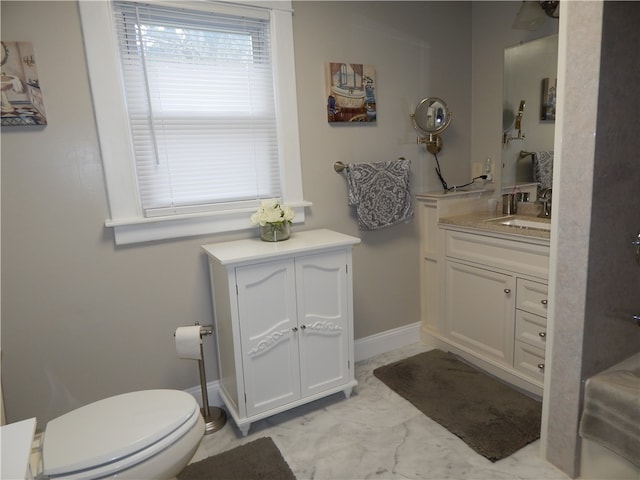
(270, 212)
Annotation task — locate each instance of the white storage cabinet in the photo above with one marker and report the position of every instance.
(283, 316)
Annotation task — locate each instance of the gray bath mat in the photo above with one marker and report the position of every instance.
(492, 418)
(257, 460)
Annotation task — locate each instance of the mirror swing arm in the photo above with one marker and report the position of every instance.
(506, 138)
(430, 118)
(432, 142)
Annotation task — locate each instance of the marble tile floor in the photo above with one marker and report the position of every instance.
(375, 434)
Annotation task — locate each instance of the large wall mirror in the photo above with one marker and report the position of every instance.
(530, 73)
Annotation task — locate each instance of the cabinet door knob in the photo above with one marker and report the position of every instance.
(295, 329)
(544, 302)
(542, 334)
(541, 366)
(507, 291)
(303, 327)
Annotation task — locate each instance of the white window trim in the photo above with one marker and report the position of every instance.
(127, 219)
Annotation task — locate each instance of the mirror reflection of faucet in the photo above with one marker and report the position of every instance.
(545, 198)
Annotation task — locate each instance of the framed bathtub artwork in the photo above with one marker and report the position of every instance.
(351, 93)
(22, 102)
(548, 101)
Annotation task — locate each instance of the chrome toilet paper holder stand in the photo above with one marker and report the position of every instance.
(214, 417)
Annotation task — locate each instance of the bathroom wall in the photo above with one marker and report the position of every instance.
(492, 33)
(568, 274)
(528, 64)
(595, 277)
(419, 49)
(589, 327)
(83, 319)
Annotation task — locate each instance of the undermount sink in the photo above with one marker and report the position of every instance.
(520, 223)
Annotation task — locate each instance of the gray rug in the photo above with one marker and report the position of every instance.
(492, 418)
(257, 460)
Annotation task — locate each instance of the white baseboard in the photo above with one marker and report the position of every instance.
(366, 347)
(212, 392)
(384, 342)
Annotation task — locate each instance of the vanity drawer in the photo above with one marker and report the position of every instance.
(529, 360)
(532, 297)
(531, 329)
(512, 255)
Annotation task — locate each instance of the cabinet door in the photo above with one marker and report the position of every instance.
(323, 320)
(267, 311)
(479, 307)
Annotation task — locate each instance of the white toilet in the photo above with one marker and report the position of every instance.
(149, 434)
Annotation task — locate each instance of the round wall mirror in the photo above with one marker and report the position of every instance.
(508, 118)
(431, 116)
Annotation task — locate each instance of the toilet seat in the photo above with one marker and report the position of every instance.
(116, 433)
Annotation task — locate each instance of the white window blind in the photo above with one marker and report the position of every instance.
(200, 100)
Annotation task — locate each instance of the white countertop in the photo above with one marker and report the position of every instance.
(252, 249)
(461, 193)
(486, 222)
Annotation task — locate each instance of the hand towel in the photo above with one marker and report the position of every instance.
(543, 168)
(380, 193)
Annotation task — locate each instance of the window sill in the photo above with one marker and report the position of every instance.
(140, 230)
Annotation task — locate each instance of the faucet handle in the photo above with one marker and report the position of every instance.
(545, 212)
(545, 193)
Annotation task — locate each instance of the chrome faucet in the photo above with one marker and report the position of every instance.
(545, 198)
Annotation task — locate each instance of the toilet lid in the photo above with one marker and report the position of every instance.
(113, 428)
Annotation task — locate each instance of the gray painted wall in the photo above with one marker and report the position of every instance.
(83, 319)
(492, 33)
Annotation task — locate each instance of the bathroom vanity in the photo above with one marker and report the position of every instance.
(484, 286)
(283, 317)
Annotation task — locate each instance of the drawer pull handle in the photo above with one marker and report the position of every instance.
(544, 302)
(542, 334)
(507, 291)
(541, 366)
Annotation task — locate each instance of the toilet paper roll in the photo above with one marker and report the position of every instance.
(188, 342)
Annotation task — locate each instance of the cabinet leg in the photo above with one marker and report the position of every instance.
(244, 429)
(347, 392)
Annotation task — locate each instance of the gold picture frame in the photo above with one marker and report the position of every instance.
(548, 101)
(22, 101)
(351, 93)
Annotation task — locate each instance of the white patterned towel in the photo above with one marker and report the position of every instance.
(543, 168)
(380, 192)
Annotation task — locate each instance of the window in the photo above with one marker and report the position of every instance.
(194, 113)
